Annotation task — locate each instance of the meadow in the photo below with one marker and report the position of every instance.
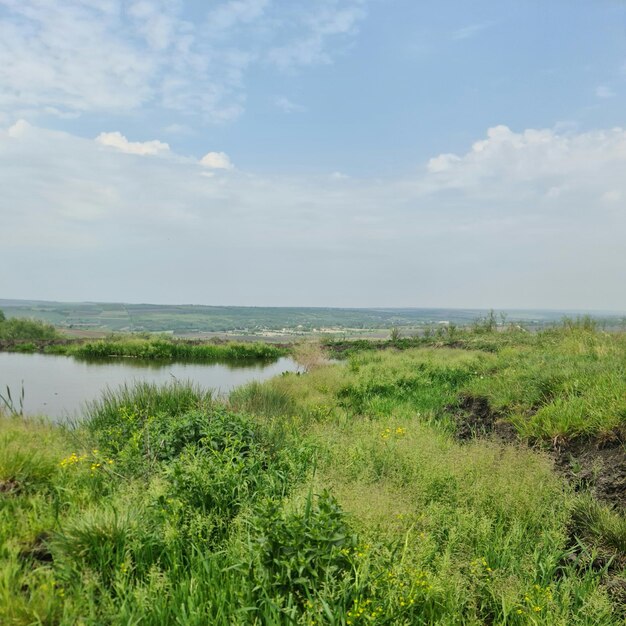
(467, 477)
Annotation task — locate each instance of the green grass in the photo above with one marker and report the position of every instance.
(22, 331)
(563, 383)
(168, 350)
(566, 384)
(339, 496)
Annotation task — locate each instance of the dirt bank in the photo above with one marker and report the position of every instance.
(596, 465)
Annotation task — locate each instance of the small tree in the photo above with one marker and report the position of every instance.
(2, 316)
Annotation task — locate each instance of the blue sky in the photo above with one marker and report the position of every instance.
(328, 152)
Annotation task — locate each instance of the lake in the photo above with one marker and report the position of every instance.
(59, 386)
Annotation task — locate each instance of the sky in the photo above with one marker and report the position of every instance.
(349, 153)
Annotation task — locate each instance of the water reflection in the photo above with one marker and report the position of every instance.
(59, 386)
(151, 364)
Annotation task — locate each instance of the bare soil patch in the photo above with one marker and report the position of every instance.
(474, 417)
(38, 551)
(597, 465)
(10, 486)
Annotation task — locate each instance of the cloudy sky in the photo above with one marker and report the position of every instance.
(318, 152)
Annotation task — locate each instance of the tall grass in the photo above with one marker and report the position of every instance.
(163, 349)
(571, 383)
(17, 330)
(262, 399)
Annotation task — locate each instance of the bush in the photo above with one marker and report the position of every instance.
(17, 329)
(301, 553)
(232, 463)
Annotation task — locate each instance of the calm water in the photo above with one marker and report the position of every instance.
(58, 386)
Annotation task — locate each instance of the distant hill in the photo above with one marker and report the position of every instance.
(190, 319)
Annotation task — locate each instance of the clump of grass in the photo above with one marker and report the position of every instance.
(309, 355)
(262, 400)
(233, 465)
(303, 555)
(169, 350)
(115, 545)
(570, 384)
(21, 331)
(145, 423)
(29, 454)
(601, 526)
(144, 399)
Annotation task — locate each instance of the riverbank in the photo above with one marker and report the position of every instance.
(443, 483)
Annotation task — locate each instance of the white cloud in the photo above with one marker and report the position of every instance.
(288, 106)
(78, 56)
(533, 161)
(19, 128)
(225, 17)
(540, 211)
(471, 30)
(157, 22)
(554, 192)
(442, 162)
(217, 161)
(603, 91)
(69, 56)
(612, 195)
(117, 140)
(320, 23)
(177, 129)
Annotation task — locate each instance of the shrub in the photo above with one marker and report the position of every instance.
(232, 463)
(309, 355)
(302, 552)
(17, 329)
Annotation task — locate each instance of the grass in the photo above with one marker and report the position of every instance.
(23, 332)
(167, 350)
(566, 384)
(339, 496)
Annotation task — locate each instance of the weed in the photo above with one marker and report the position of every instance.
(302, 553)
(9, 403)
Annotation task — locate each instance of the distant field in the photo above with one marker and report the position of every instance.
(87, 318)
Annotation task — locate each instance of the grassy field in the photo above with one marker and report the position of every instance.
(458, 479)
